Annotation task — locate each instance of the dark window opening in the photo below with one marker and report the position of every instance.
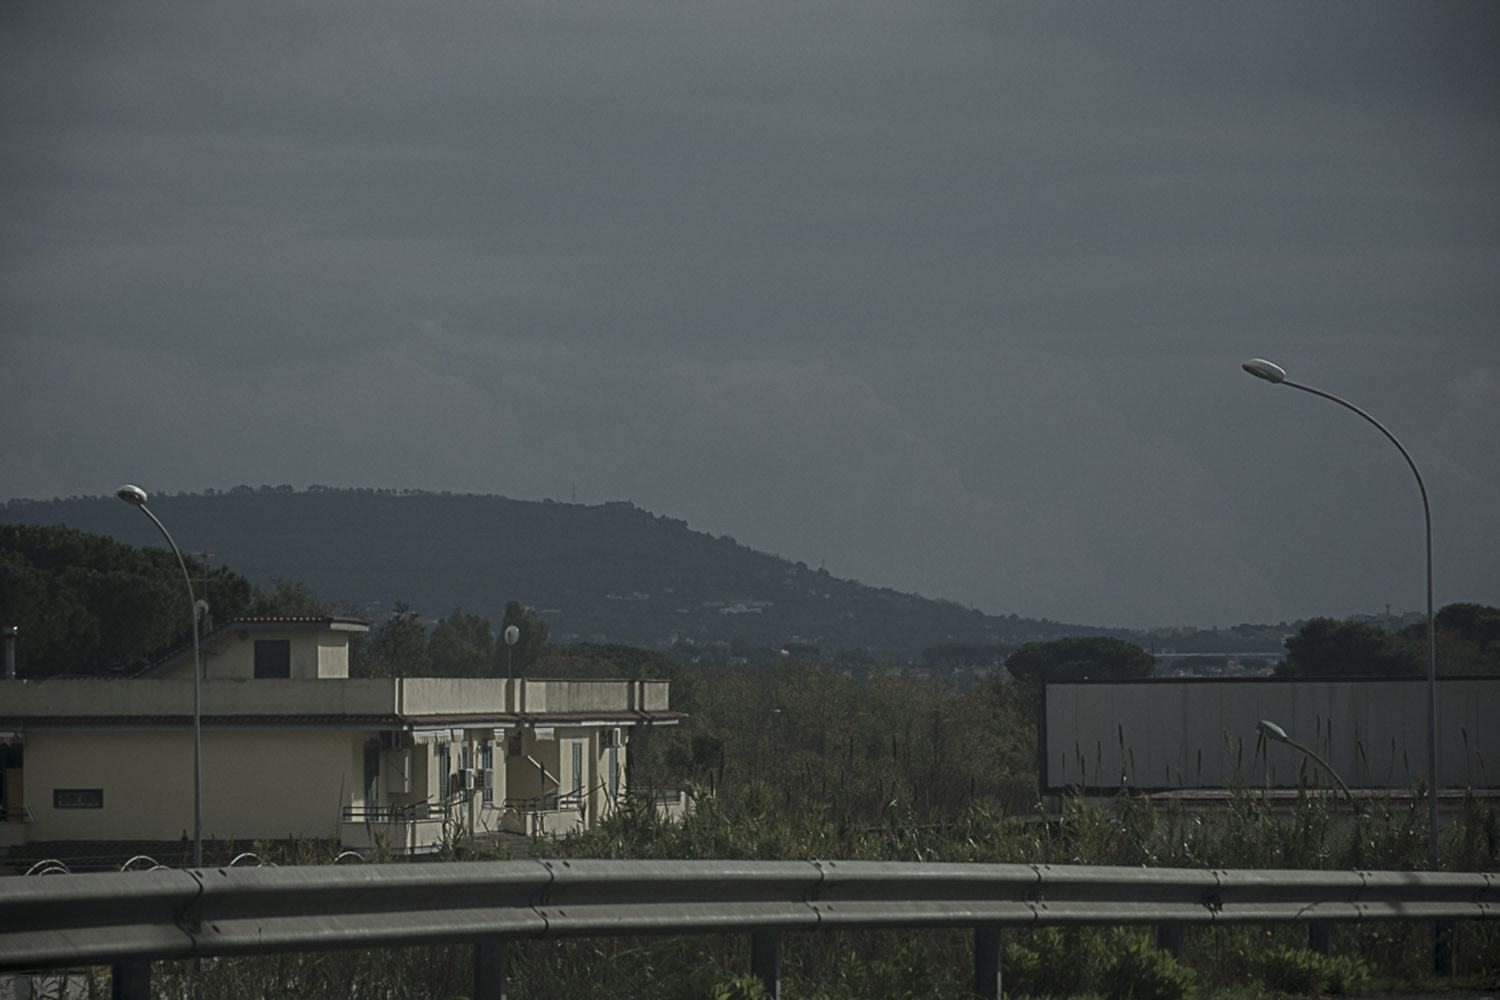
(273, 658)
(12, 758)
(372, 772)
(487, 761)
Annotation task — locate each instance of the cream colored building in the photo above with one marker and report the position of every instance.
(291, 746)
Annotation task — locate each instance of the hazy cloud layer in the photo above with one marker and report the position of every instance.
(948, 298)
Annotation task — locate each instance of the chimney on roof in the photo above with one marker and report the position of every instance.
(9, 632)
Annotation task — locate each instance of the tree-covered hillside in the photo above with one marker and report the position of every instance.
(601, 573)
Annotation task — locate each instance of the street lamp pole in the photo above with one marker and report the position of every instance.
(1270, 730)
(1277, 376)
(136, 497)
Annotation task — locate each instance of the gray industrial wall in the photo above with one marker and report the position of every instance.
(1160, 734)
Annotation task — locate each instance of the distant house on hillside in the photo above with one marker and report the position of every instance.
(293, 747)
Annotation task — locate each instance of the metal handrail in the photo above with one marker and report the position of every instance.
(411, 812)
(117, 917)
(548, 802)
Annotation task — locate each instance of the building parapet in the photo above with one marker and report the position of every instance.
(410, 697)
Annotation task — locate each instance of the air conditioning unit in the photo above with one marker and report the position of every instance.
(488, 783)
(466, 778)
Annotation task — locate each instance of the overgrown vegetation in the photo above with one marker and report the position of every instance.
(754, 815)
(1304, 972)
(795, 760)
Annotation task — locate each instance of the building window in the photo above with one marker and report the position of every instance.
(372, 773)
(614, 773)
(579, 749)
(487, 761)
(443, 767)
(77, 798)
(273, 658)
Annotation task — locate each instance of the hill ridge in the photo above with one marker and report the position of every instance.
(611, 572)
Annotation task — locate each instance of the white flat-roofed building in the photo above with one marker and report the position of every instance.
(292, 747)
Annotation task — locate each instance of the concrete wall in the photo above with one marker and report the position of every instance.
(563, 696)
(256, 785)
(114, 698)
(1201, 734)
(243, 695)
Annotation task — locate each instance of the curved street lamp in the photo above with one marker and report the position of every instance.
(1276, 375)
(136, 497)
(1271, 731)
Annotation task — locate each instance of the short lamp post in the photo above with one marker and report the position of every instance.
(136, 497)
(1275, 733)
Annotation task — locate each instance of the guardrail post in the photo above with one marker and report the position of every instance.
(1169, 939)
(1317, 938)
(1442, 947)
(491, 966)
(987, 963)
(765, 961)
(130, 981)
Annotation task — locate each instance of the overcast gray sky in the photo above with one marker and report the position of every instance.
(948, 297)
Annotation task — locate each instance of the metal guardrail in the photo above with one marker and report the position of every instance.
(128, 918)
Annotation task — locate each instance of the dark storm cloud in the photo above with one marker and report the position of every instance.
(952, 297)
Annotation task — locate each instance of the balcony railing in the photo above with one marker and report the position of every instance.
(415, 812)
(547, 802)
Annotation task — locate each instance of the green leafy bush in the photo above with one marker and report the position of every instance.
(1051, 963)
(739, 988)
(1139, 971)
(1307, 973)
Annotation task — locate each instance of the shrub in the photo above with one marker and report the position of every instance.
(739, 988)
(1307, 973)
(1139, 971)
(1052, 964)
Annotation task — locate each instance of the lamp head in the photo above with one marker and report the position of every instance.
(1261, 368)
(133, 495)
(1271, 730)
